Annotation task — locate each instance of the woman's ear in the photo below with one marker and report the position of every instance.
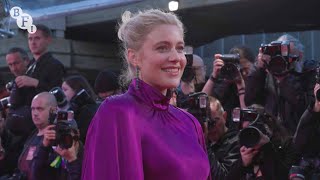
(133, 57)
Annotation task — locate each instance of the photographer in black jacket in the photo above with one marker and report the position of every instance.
(228, 79)
(81, 99)
(223, 147)
(267, 151)
(280, 83)
(307, 132)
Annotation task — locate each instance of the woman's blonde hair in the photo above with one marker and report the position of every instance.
(133, 30)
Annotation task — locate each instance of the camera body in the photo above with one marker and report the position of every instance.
(80, 99)
(251, 135)
(4, 103)
(60, 96)
(230, 70)
(197, 104)
(281, 57)
(65, 129)
(15, 94)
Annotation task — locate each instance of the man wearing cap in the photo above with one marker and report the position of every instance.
(106, 84)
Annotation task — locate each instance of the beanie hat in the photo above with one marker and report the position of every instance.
(106, 81)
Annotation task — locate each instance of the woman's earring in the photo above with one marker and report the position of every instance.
(137, 78)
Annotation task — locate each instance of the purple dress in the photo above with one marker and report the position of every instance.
(138, 135)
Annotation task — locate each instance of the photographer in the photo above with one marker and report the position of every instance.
(193, 77)
(227, 81)
(192, 80)
(277, 84)
(19, 120)
(223, 147)
(307, 132)
(31, 162)
(81, 100)
(267, 152)
(58, 163)
(10, 146)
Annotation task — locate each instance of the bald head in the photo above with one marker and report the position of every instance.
(200, 70)
(41, 107)
(47, 97)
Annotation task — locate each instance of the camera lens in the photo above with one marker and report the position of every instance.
(229, 71)
(277, 65)
(249, 137)
(66, 141)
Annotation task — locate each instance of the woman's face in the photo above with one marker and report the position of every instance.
(68, 91)
(161, 58)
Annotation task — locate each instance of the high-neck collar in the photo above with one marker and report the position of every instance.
(149, 95)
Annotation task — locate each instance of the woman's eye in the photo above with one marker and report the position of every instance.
(162, 48)
(180, 49)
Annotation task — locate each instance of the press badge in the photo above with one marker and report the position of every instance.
(30, 154)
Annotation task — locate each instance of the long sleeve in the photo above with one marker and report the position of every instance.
(255, 85)
(40, 167)
(220, 169)
(113, 147)
(306, 132)
(84, 118)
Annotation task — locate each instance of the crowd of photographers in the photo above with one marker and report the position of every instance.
(45, 113)
(259, 114)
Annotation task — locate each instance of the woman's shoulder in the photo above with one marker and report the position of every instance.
(117, 103)
(185, 116)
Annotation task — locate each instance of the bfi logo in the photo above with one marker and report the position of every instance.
(24, 20)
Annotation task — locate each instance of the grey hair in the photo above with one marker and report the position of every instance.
(134, 28)
(296, 42)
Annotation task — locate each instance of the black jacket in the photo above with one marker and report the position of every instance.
(13, 146)
(223, 154)
(41, 168)
(286, 100)
(49, 71)
(275, 161)
(83, 117)
(308, 131)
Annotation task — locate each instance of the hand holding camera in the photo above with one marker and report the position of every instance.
(262, 60)
(217, 65)
(49, 135)
(247, 155)
(227, 68)
(63, 130)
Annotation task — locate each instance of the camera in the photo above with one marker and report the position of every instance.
(197, 104)
(250, 136)
(65, 129)
(80, 99)
(15, 94)
(188, 73)
(4, 103)
(230, 70)
(281, 57)
(60, 96)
